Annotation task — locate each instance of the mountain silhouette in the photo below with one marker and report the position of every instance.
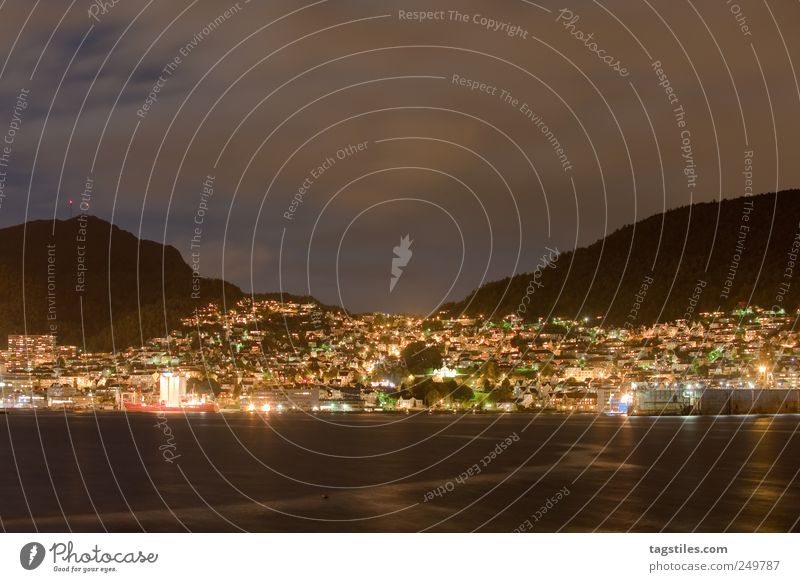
(703, 257)
(130, 290)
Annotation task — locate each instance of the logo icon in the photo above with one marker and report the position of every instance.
(31, 555)
(402, 256)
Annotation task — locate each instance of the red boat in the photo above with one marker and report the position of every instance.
(173, 398)
(186, 407)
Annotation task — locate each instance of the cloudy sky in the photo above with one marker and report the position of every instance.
(329, 130)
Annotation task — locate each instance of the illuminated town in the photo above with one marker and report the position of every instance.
(244, 360)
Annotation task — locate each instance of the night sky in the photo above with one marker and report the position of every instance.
(325, 132)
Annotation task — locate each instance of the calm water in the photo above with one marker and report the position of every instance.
(87, 472)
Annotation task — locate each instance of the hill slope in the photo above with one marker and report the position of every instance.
(721, 246)
(142, 286)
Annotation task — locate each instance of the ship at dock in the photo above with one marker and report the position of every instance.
(173, 397)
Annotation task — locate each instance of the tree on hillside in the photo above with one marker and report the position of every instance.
(204, 386)
(490, 370)
(463, 394)
(420, 357)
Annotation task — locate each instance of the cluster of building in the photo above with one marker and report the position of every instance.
(269, 355)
